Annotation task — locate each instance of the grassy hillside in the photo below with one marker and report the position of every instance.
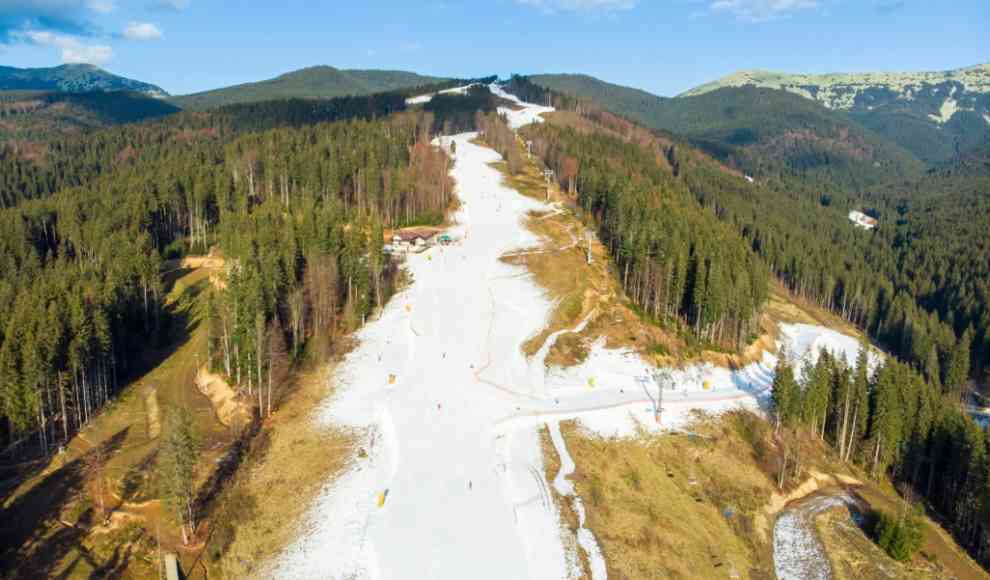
(761, 131)
(39, 115)
(313, 82)
(711, 497)
(72, 78)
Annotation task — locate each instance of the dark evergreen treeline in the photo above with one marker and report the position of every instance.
(36, 170)
(530, 92)
(32, 171)
(297, 212)
(455, 113)
(895, 421)
(676, 261)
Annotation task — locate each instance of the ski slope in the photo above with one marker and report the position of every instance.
(448, 410)
(423, 99)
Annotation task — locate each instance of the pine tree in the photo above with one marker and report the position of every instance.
(785, 395)
(176, 463)
(958, 371)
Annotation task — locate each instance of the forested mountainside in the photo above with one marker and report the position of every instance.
(36, 170)
(921, 314)
(38, 116)
(71, 78)
(295, 204)
(905, 419)
(313, 82)
(935, 115)
(676, 261)
(766, 133)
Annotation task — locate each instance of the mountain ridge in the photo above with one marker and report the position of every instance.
(976, 77)
(320, 81)
(758, 130)
(72, 78)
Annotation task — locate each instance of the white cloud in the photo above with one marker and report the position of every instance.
(411, 47)
(142, 31)
(73, 51)
(552, 6)
(761, 10)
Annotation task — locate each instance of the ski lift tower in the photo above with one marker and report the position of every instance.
(662, 379)
(548, 175)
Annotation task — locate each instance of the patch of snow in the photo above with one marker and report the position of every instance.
(423, 99)
(948, 109)
(565, 488)
(986, 118)
(530, 113)
(797, 552)
(612, 393)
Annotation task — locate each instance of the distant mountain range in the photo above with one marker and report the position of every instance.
(313, 82)
(760, 131)
(71, 78)
(870, 124)
(933, 114)
(952, 90)
(878, 117)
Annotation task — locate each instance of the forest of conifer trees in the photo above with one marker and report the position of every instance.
(297, 212)
(676, 261)
(893, 421)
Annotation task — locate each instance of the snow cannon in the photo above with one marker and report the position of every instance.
(707, 385)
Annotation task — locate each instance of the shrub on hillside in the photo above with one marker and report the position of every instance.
(900, 537)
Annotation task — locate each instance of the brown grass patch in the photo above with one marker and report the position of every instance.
(658, 506)
(262, 512)
(700, 505)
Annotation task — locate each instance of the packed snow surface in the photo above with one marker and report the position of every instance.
(423, 99)
(797, 552)
(529, 113)
(448, 410)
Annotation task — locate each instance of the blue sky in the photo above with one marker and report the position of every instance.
(663, 46)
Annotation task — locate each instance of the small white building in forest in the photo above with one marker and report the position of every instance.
(861, 220)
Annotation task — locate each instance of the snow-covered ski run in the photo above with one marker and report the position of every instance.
(451, 484)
